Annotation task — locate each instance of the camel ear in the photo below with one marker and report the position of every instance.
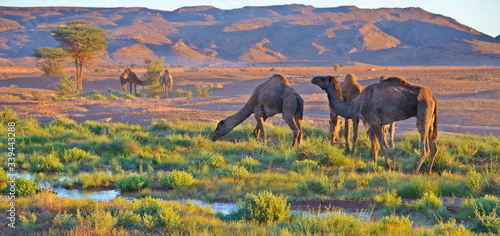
(332, 79)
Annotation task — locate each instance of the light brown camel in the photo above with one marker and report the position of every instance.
(386, 102)
(166, 82)
(131, 78)
(268, 99)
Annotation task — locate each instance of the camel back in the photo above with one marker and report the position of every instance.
(350, 80)
(397, 81)
(279, 78)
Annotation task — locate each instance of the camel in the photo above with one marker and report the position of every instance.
(131, 78)
(166, 82)
(350, 90)
(385, 102)
(268, 99)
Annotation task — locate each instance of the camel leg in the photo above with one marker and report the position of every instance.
(347, 134)
(260, 126)
(291, 123)
(423, 126)
(130, 84)
(256, 131)
(374, 145)
(355, 126)
(335, 124)
(377, 131)
(298, 122)
(392, 129)
(124, 86)
(135, 88)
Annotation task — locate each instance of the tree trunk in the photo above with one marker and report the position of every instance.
(77, 73)
(80, 76)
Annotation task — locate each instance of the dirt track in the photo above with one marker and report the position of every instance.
(468, 98)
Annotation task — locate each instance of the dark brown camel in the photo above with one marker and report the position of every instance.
(131, 78)
(386, 102)
(268, 99)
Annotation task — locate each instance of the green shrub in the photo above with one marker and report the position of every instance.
(203, 92)
(64, 221)
(485, 205)
(133, 182)
(304, 166)
(389, 198)
(319, 185)
(95, 179)
(237, 172)
(160, 124)
(75, 154)
(47, 163)
(28, 223)
(487, 222)
(417, 187)
(129, 219)
(250, 163)
(23, 187)
(265, 208)
(3, 178)
(66, 87)
(152, 79)
(129, 96)
(370, 167)
(168, 218)
(8, 115)
(475, 183)
(37, 95)
(451, 228)
(101, 221)
(182, 93)
(177, 178)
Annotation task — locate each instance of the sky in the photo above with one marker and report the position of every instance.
(482, 15)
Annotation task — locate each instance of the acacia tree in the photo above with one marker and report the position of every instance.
(53, 65)
(82, 41)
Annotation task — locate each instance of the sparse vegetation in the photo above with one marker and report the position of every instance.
(182, 93)
(203, 92)
(66, 87)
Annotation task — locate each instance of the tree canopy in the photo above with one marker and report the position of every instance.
(82, 41)
(53, 57)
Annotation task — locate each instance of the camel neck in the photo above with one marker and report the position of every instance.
(345, 109)
(240, 116)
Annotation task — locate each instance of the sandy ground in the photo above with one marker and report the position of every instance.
(468, 97)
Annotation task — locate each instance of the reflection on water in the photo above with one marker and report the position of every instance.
(101, 196)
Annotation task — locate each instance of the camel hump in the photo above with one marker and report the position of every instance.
(396, 80)
(350, 79)
(280, 78)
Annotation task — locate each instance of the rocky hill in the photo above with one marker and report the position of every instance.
(294, 34)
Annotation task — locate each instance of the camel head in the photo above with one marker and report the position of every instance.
(326, 82)
(221, 130)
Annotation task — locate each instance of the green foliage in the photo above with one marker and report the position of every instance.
(182, 93)
(237, 172)
(475, 182)
(484, 206)
(23, 187)
(389, 198)
(28, 223)
(451, 228)
(46, 163)
(64, 221)
(416, 188)
(487, 222)
(133, 182)
(177, 178)
(95, 179)
(129, 219)
(394, 225)
(335, 67)
(53, 65)
(168, 218)
(37, 95)
(152, 78)
(8, 116)
(203, 92)
(94, 95)
(265, 208)
(66, 87)
(160, 124)
(3, 178)
(249, 163)
(318, 185)
(101, 221)
(304, 166)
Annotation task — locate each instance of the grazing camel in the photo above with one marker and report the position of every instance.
(383, 103)
(268, 99)
(166, 82)
(131, 78)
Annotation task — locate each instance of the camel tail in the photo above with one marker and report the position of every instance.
(434, 133)
(300, 108)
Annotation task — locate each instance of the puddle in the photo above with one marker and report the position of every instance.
(100, 196)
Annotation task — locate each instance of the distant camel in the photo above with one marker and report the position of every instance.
(268, 99)
(166, 82)
(383, 103)
(131, 78)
